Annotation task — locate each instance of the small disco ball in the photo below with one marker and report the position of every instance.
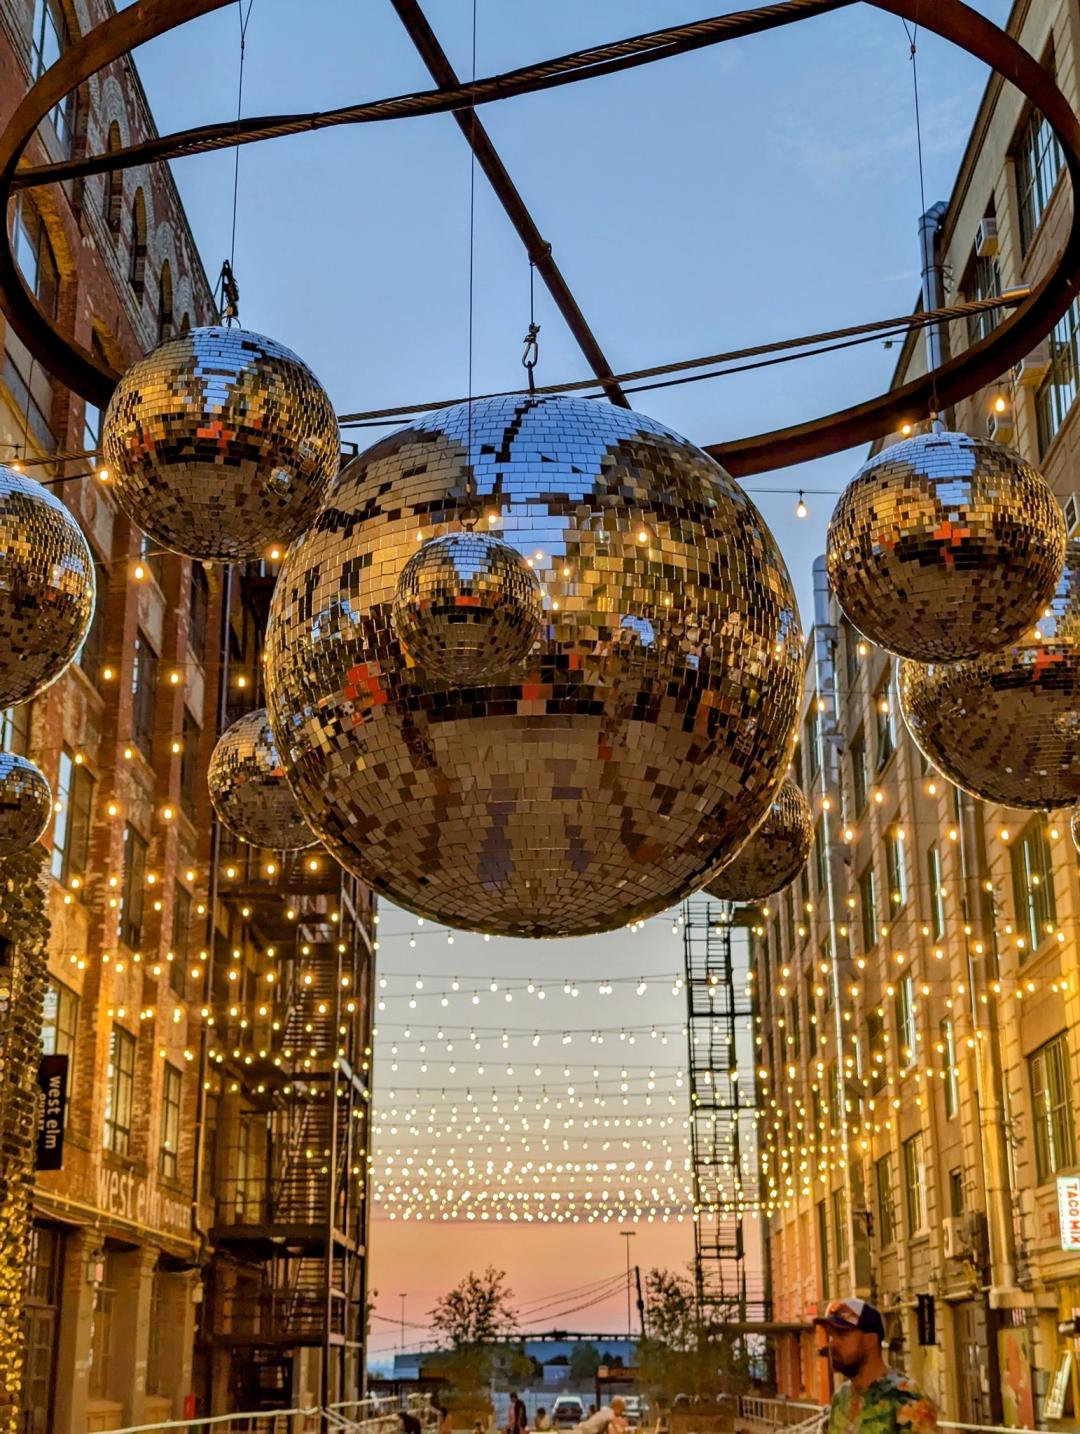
(467, 607)
(248, 787)
(645, 734)
(220, 443)
(945, 547)
(1007, 727)
(774, 855)
(47, 587)
(25, 804)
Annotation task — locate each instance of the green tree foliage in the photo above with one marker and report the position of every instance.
(687, 1351)
(472, 1317)
(584, 1362)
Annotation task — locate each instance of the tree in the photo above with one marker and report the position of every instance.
(473, 1317)
(687, 1350)
(477, 1311)
(584, 1362)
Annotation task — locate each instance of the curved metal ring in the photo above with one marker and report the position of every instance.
(979, 365)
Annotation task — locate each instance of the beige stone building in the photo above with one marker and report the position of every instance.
(919, 986)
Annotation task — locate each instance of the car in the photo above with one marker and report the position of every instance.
(567, 1411)
(632, 1408)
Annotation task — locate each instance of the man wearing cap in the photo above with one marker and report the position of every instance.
(874, 1399)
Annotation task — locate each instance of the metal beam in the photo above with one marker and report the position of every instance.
(537, 248)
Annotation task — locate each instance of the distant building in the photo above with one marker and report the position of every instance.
(918, 988)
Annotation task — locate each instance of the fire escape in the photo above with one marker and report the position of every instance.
(289, 1064)
(722, 1121)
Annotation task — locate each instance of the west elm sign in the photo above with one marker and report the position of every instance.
(1068, 1189)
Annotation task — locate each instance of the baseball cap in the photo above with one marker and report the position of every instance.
(852, 1313)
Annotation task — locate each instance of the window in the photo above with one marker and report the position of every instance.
(30, 389)
(15, 729)
(981, 281)
(948, 1056)
(886, 724)
(120, 1084)
(89, 656)
(894, 850)
(823, 1246)
(151, 557)
(789, 920)
(34, 256)
(113, 191)
(851, 656)
(59, 1021)
(92, 415)
(1033, 886)
(810, 742)
(189, 764)
(875, 1051)
(906, 1033)
(131, 906)
(821, 857)
(103, 1337)
(794, 1032)
(811, 1013)
(200, 602)
(860, 773)
(168, 1163)
(957, 1202)
(71, 825)
(1056, 394)
(143, 690)
(937, 898)
(886, 1202)
(868, 903)
(1038, 159)
(1051, 1108)
(915, 1184)
(165, 303)
(137, 258)
(181, 938)
(839, 1215)
(48, 40)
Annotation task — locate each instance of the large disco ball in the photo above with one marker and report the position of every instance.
(25, 804)
(646, 734)
(1007, 727)
(47, 587)
(219, 443)
(774, 855)
(248, 787)
(467, 607)
(945, 547)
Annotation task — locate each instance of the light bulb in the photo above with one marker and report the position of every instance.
(801, 509)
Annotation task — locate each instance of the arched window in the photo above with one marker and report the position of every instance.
(48, 41)
(34, 256)
(137, 270)
(165, 302)
(114, 184)
(185, 323)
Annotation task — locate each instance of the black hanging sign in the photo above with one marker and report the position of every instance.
(52, 1082)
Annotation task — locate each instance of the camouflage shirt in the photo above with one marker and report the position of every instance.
(893, 1404)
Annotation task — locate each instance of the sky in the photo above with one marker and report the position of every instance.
(761, 189)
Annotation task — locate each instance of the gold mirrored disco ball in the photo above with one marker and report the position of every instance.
(25, 804)
(248, 787)
(945, 547)
(774, 855)
(220, 443)
(650, 727)
(47, 587)
(1007, 727)
(467, 607)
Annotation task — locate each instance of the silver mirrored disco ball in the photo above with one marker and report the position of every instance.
(248, 787)
(25, 804)
(1007, 727)
(219, 443)
(650, 727)
(774, 855)
(467, 607)
(945, 547)
(47, 587)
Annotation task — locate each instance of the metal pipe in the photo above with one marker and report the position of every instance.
(933, 288)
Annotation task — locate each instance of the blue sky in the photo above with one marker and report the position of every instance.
(755, 190)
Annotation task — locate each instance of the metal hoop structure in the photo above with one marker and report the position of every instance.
(977, 366)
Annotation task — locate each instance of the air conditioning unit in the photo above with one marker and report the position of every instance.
(1033, 367)
(1071, 506)
(954, 1244)
(986, 237)
(1000, 427)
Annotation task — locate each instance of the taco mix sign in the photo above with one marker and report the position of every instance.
(1068, 1192)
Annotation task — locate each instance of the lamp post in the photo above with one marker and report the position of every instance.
(402, 1297)
(628, 1235)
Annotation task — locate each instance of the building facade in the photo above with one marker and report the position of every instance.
(917, 988)
(202, 1246)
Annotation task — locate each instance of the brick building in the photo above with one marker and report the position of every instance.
(158, 1266)
(918, 987)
